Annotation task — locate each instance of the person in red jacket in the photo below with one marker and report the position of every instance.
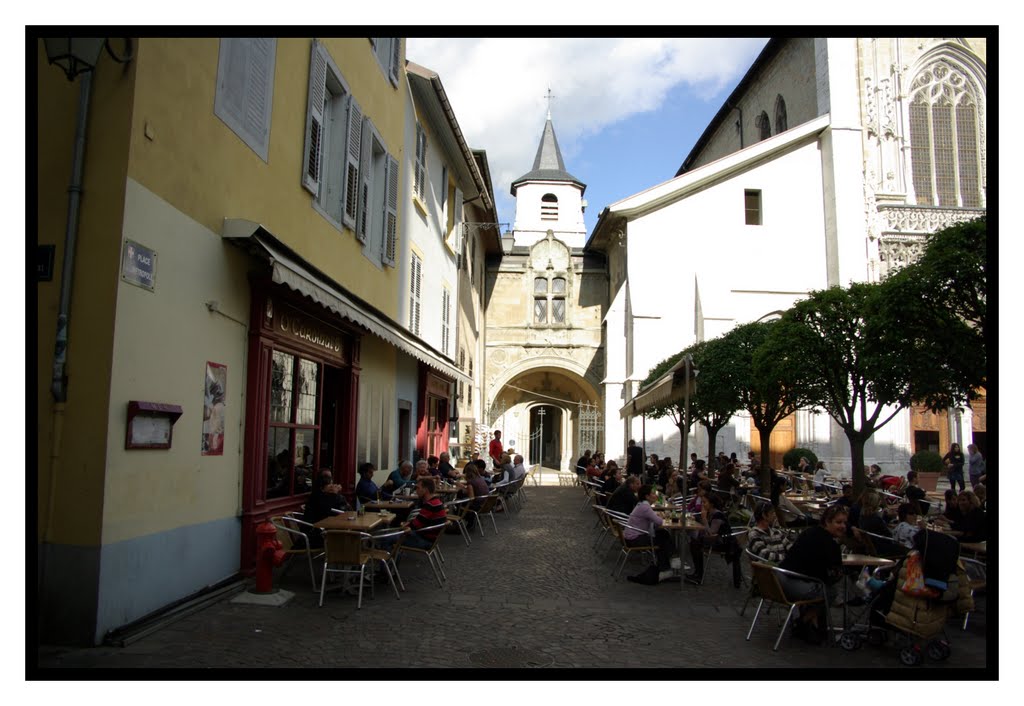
(495, 450)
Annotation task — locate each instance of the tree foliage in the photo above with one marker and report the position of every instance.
(768, 374)
(939, 306)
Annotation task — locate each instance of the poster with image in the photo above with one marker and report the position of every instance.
(214, 400)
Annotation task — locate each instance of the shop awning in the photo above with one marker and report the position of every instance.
(670, 387)
(289, 269)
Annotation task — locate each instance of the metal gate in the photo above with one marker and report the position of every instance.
(588, 428)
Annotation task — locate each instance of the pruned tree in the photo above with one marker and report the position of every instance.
(768, 373)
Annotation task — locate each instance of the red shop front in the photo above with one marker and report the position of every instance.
(301, 397)
(432, 425)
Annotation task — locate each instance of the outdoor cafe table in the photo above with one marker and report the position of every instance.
(391, 505)
(678, 528)
(858, 561)
(352, 521)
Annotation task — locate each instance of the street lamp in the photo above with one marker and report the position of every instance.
(78, 55)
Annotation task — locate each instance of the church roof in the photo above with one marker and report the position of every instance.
(548, 165)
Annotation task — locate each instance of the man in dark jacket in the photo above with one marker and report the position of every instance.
(624, 499)
(634, 459)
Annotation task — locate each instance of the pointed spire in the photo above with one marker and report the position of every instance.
(548, 165)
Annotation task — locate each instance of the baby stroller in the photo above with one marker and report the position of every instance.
(918, 618)
(868, 624)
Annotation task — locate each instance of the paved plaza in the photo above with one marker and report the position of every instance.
(534, 595)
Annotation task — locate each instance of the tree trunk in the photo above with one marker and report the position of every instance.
(712, 439)
(682, 446)
(857, 440)
(766, 474)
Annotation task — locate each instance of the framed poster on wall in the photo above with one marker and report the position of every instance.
(214, 400)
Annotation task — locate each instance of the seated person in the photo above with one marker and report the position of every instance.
(951, 510)
(815, 553)
(612, 480)
(518, 469)
(717, 534)
(699, 473)
(766, 539)
(583, 463)
(981, 491)
(820, 476)
(700, 496)
(401, 477)
(727, 480)
(444, 467)
(596, 467)
(431, 513)
(846, 499)
(423, 468)
(505, 470)
(915, 493)
(644, 523)
(871, 520)
(624, 499)
(326, 496)
(754, 466)
(433, 466)
(366, 489)
(971, 526)
(910, 524)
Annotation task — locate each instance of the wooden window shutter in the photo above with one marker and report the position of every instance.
(353, 153)
(421, 161)
(391, 212)
(446, 300)
(457, 227)
(245, 89)
(363, 214)
(416, 273)
(396, 58)
(315, 119)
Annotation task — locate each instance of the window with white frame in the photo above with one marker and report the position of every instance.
(378, 205)
(245, 89)
(446, 319)
(415, 287)
(333, 144)
(388, 51)
(420, 184)
(944, 137)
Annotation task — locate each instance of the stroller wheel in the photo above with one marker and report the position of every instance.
(910, 656)
(850, 641)
(938, 650)
(877, 637)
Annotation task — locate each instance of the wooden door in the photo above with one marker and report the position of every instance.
(783, 439)
(931, 423)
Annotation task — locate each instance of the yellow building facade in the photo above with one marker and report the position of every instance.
(220, 295)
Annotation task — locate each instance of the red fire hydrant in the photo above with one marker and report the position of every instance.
(268, 555)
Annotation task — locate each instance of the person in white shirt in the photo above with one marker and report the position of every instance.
(909, 514)
(518, 470)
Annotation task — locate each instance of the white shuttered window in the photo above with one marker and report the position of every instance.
(446, 318)
(420, 185)
(245, 89)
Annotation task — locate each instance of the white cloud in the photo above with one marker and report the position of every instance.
(497, 87)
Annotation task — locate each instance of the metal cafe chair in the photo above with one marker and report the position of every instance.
(295, 542)
(770, 589)
(977, 575)
(619, 527)
(457, 511)
(431, 552)
(487, 509)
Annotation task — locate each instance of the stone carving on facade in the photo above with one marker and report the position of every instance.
(897, 251)
(918, 219)
(502, 359)
(870, 104)
(887, 104)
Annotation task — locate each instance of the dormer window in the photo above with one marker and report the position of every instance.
(549, 207)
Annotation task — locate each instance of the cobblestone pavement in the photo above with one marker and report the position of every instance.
(534, 595)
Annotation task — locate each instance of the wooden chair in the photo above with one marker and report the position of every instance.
(769, 588)
(295, 542)
(348, 548)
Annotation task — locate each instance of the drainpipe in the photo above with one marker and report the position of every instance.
(59, 383)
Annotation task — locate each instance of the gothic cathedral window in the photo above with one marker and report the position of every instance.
(944, 137)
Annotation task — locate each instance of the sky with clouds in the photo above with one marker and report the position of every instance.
(641, 101)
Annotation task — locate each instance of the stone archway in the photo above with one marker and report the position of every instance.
(516, 407)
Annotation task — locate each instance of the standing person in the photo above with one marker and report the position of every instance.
(634, 459)
(494, 449)
(975, 465)
(954, 461)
